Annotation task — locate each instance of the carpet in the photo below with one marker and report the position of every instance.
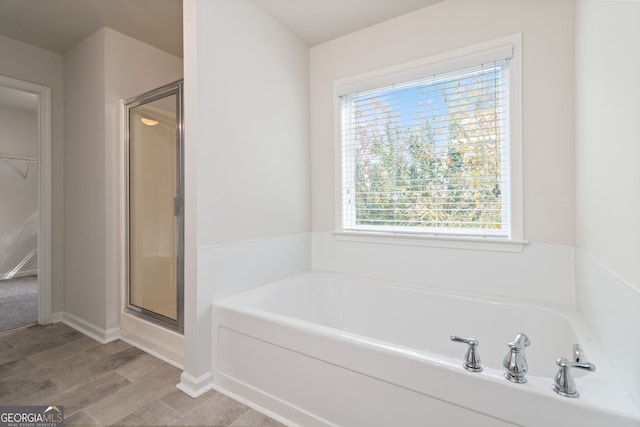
(18, 302)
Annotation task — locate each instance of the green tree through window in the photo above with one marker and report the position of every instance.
(430, 154)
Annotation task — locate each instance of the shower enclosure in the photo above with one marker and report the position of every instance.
(154, 147)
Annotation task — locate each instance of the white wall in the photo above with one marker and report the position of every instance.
(547, 31)
(32, 64)
(100, 71)
(246, 83)
(607, 177)
(84, 180)
(18, 192)
(131, 68)
(607, 69)
(253, 94)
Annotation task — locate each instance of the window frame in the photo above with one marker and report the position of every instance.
(442, 63)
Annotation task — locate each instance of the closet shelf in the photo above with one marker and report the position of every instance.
(18, 158)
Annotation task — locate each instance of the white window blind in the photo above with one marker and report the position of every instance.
(429, 155)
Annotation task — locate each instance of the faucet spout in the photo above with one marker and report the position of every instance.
(522, 341)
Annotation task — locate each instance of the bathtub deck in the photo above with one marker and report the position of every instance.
(302, 346)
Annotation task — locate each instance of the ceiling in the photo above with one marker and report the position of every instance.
(318, 21)
(58, 25)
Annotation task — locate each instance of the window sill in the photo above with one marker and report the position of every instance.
(446, 242)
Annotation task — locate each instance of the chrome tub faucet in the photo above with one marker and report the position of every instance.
(563, 382)
(472, 357)
(515, 362)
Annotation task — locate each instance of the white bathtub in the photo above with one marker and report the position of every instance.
(322, 350)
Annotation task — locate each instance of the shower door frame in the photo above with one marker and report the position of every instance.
(145, 98)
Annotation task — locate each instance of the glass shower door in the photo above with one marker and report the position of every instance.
(154, 206)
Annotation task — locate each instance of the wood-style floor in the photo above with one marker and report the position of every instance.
(106, 384)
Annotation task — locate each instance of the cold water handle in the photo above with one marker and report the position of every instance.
(515, 362)
(472, 357)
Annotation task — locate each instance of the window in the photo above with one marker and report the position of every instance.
(427, 148)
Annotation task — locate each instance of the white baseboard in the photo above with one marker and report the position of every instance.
(104, 337)
(97, 333)
(155, 354)
(193, 386)
(57, 317)
(254, 406)
(163, 343)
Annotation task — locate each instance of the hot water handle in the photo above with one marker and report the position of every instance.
(563, 382)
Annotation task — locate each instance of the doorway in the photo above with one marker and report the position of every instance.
(25, 188)
(154, 149)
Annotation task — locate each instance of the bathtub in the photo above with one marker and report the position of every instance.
(319, 349)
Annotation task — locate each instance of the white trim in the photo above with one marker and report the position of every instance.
(195, 387)
(253, 241)
(254, 406)
(501, 48)
(103, 337)
(162, 342)
(540, 273)
(338, 196)
(57, 317)
(152, 352)
(434, 241)
(99, 334)
(516, 187)
(239, 266)
(44, 193)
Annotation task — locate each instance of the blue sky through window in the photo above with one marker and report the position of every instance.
(434, 101)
